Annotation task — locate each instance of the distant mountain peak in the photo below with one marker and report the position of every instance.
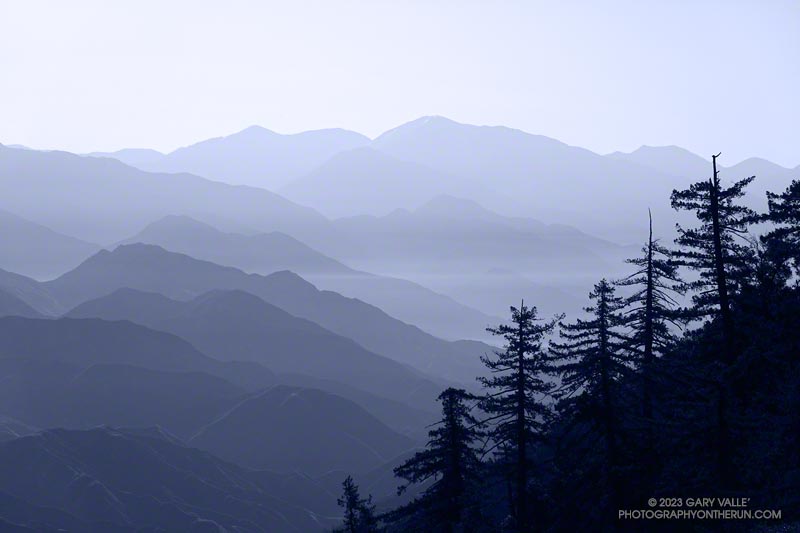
(421, 122)
(758, 163)
(287, 276)
(138, 248)
(664, 150)
(182, 222)
(671, 159)
(254, 131)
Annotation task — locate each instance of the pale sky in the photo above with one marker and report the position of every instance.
(708, 75)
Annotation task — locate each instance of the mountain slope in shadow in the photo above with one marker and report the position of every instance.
(47, 393)
(153, 269)
(37, 251)
(86, 342)
(12, 305)
(247, 436)
(236, 325)
(79, 477)
(31, 292)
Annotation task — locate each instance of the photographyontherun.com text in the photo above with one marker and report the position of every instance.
(704, 508)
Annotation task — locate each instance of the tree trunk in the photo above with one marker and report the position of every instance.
(724, 471)
(649, 357)
(719, 266)
(605, 384)
(522, 460)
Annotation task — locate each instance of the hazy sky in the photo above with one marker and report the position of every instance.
(606, 75)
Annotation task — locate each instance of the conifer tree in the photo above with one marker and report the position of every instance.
(359, 513)
(718, 251)
(652, 314)
(591, 360)
(715, 249)
(783, 241)
(451, 460)
(516, 391)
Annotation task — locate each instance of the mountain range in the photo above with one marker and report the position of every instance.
(254, 156)
(265, 253)
(507, 170)
(38, 251)
(101, 200)
(79, 373)
(178, 276)
(212, 339)
(236, 325)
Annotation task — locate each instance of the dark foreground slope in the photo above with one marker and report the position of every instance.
(115, 480)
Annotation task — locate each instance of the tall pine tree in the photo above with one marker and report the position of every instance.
(721, 255)
(452, 461)
(516, 400)
(591, 360)
(783, 241)
(716, 250)
(652, 313)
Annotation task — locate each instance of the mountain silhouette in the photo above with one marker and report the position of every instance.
(257, 156)
(354, 440)
(102, 200)
(449, 235)
(534, 171)
(368, 181)
(31, 292)
(528, 174)
(261, 253)
(37, 251)
(672, 160)
(178, 276)
(238, 325)
(86, 342)
(135, 157)
(271, 252)
(687, 168)
(11, 305)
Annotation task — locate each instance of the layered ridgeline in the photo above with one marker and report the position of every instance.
(79, 373)
(495, 258)
(254, 156)
(482, 258)
(237, 325)
(13, 305)
(516, 173)
(38, 251)
(31, 292)
(265, 253)
(102, 200)
(153, 269)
